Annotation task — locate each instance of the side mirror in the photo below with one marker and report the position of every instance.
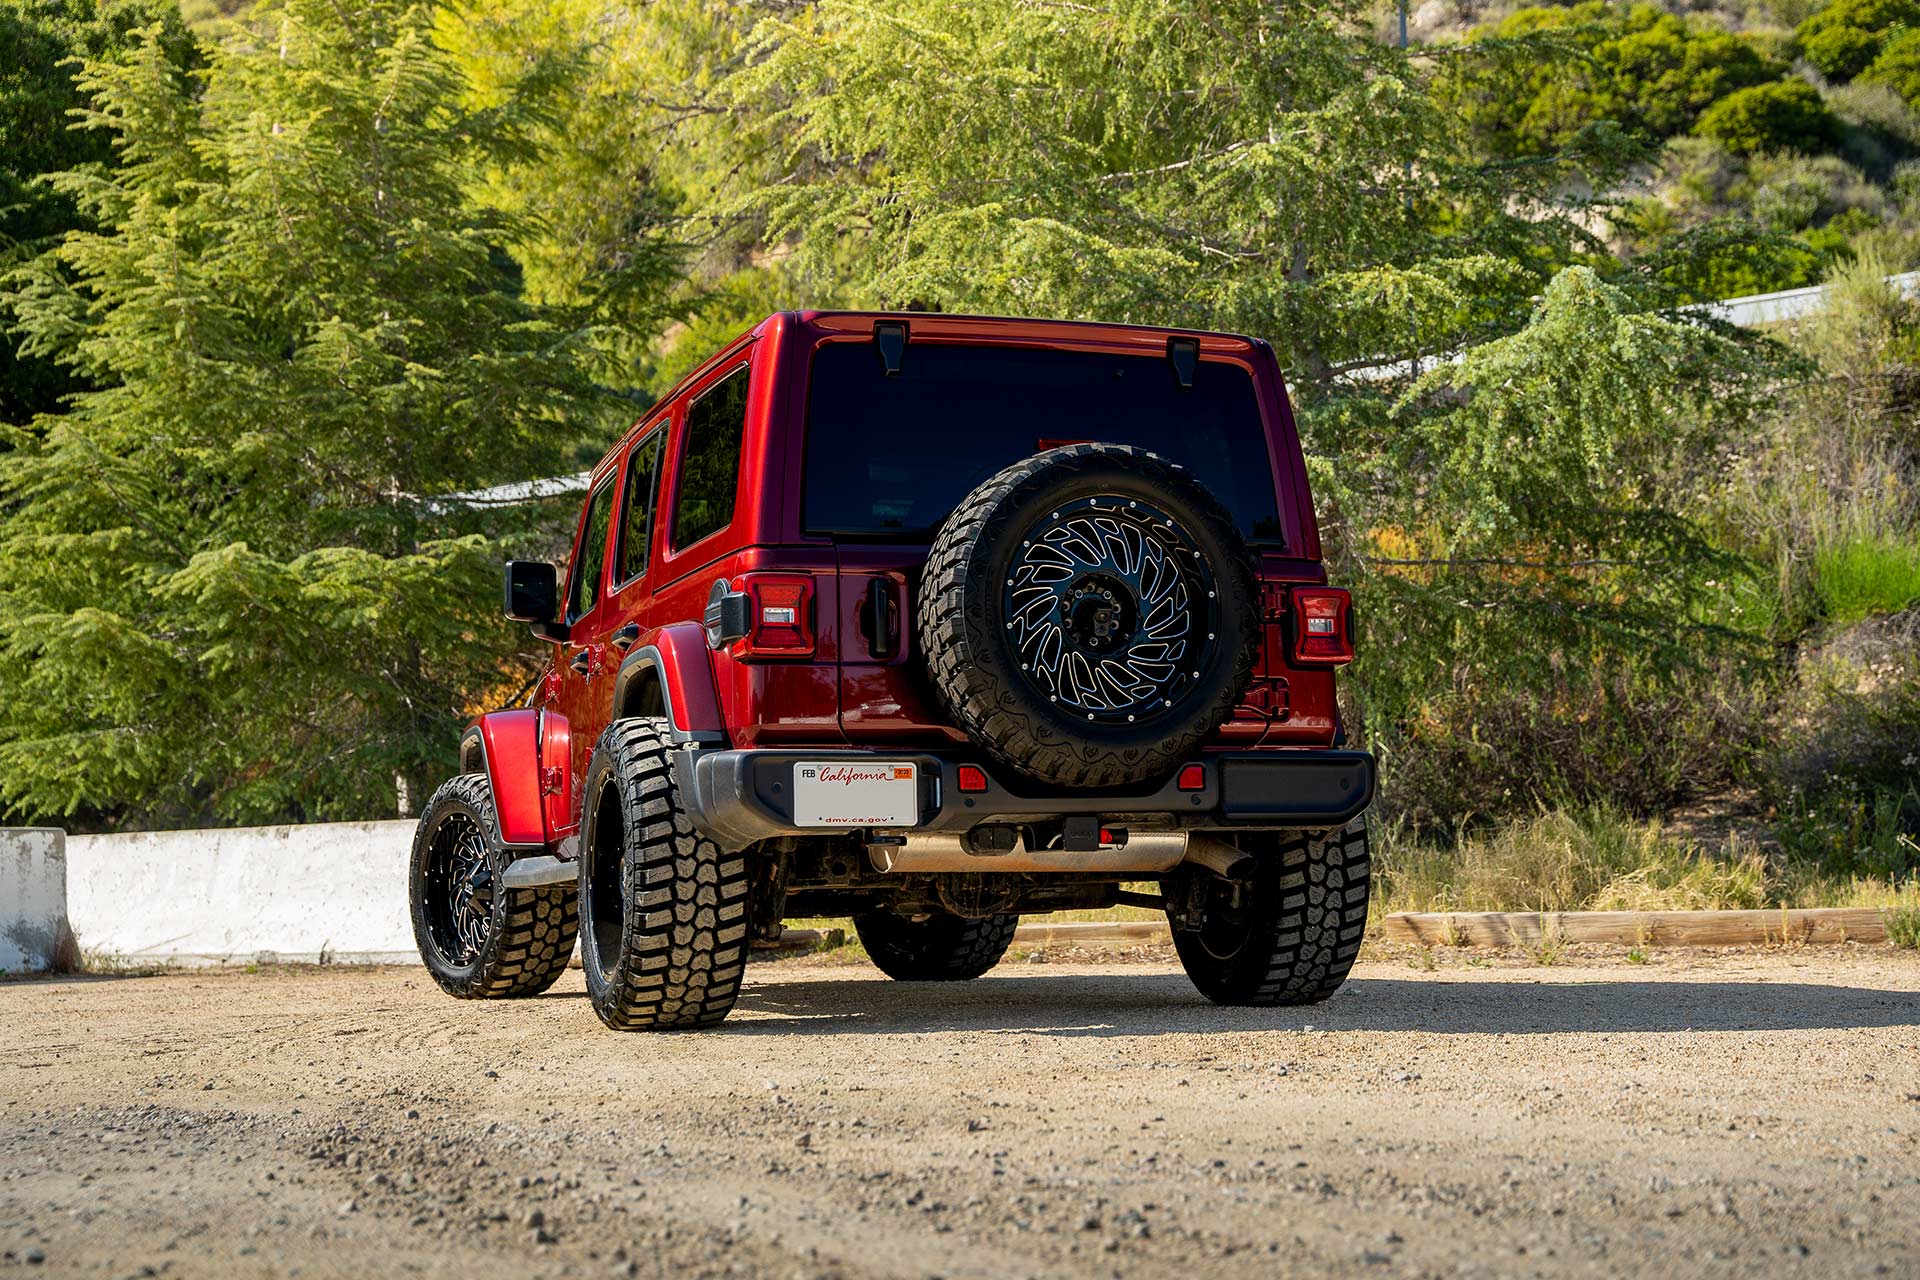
(533, 595)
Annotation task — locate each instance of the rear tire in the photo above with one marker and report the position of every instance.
(1290, 934)
(663, 909)
(481, 942)
(938, 949)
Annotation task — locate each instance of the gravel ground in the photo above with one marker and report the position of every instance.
(1738, 1114)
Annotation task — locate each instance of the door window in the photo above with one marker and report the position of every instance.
(710, 460)
(590, 558)
(636, 521)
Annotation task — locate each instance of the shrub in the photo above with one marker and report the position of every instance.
(1662, 75)
(1898, 67)
(1847, 752)
(1903, 927)
(1853, 829)
(1845, 37)
(1841, 52)
(1637, 740)
(1794, 192)
(1648, 70)
(1786, 115)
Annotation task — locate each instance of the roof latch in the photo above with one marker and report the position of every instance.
(890, 340)
(1183, 354)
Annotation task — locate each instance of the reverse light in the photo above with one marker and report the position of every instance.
(779, 616)
(972, 778)
(1322, 626)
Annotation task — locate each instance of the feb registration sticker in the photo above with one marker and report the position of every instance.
(878, 793)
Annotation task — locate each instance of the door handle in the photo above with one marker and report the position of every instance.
(623, 638)
(580, 661)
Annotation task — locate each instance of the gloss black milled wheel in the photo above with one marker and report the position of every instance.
(1109, 605)
(458, 894)
(478, 938)
(1090, 615)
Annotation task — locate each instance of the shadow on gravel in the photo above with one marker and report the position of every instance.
(1164, 1004)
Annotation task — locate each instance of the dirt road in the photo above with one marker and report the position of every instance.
(1752, 1114)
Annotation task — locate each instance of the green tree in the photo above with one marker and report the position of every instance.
(41, 45)
(1286, 176)
(1786, 115)
(1281, 174)
(232, 580)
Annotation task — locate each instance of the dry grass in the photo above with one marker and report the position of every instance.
(1559, 860)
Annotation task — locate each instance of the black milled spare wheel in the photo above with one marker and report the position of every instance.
(940, 948)
(663, 910)
(1089, 615)
(479, 939)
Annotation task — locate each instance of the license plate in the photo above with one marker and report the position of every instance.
(878, 793)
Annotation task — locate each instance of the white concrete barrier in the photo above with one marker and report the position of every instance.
(321, 892)
(34, 935)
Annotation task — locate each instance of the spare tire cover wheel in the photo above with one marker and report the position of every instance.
(1089, 615)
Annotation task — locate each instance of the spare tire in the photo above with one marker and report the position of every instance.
(1089, 615)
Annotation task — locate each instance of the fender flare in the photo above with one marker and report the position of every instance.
(677, 659)
(505, 746)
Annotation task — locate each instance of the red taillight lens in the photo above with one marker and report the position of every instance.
(972, 778)
(779, 616)
(1321, 631)
(1193, 777)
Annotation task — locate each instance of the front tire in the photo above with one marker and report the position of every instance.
(664, 910)
(479, 940)
(1289, 935)
(941, 948)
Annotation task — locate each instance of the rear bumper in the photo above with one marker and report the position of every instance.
(740, 797)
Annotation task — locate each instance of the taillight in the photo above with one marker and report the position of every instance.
(779, 616)
(1322, 634)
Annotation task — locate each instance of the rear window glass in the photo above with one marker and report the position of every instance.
(710, 461)
(897, 454)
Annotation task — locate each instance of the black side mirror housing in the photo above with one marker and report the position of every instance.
(533, 595)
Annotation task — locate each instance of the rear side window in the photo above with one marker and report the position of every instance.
(591, 555)
(636, 521)
(710, 460)
(895, 455)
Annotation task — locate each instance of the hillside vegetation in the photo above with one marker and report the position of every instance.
(303, 269)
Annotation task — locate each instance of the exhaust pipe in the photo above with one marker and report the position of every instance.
(1219, 857)
(1144, 853)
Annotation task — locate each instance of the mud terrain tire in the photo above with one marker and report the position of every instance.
(1298, 928)
(512, 942)
(937, 949)
(1089, 615)
(663, 910)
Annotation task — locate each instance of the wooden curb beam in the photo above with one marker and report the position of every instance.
(1639, 928)
(1093, 933)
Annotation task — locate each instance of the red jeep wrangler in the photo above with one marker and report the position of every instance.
(930, 620)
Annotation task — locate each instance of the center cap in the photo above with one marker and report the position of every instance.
(1099, 613)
